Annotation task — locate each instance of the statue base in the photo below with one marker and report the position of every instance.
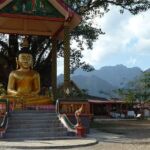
(22, 103)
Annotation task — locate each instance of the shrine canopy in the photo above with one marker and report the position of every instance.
(36, 17)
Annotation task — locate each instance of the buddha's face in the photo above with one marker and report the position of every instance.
(25, 60)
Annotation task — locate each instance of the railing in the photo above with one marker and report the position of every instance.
(64, 119)
(75, 110)
(4, 111)
(70, 106)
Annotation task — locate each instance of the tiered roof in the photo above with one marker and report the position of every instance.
(36, 17)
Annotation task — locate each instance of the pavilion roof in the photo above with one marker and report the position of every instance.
(36, 17)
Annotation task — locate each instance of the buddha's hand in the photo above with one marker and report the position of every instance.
(19, 94)
(33, 94)
(29, 95)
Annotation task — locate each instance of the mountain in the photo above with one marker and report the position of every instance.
(94, 85)
(117, 76)
(103, 82)
(148, 70)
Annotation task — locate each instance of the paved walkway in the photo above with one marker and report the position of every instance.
(47, 143)
(95, 141)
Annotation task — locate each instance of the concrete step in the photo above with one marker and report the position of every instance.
(24, 130)
(35, 117)
(33, 114)
(35, 134)
(34, 111)
(34, 124)
(33, 121)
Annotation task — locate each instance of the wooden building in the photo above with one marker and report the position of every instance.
(108, 108)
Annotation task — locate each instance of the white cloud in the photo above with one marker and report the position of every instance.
(131, 62)
(140, 25)
(143, 46)
(127, 36)
(127, 41)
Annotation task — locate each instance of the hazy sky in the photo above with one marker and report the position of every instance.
(127, 41)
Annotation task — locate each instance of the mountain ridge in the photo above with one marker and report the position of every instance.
(104, 81)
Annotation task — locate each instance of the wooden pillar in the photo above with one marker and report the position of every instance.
(54, 68)
(66, 61)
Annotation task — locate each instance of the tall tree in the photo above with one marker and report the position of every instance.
(138, 90)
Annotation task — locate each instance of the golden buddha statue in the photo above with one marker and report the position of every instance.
(24, 83)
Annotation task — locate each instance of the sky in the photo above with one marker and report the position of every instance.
(126, 41)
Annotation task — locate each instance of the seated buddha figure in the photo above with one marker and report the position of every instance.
(24, 82)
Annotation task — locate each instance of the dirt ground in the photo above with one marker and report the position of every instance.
(135, 129)
(120, 135)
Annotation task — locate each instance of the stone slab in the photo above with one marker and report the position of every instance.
(46, 143)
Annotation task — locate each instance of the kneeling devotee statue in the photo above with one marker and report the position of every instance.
(24, 83)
